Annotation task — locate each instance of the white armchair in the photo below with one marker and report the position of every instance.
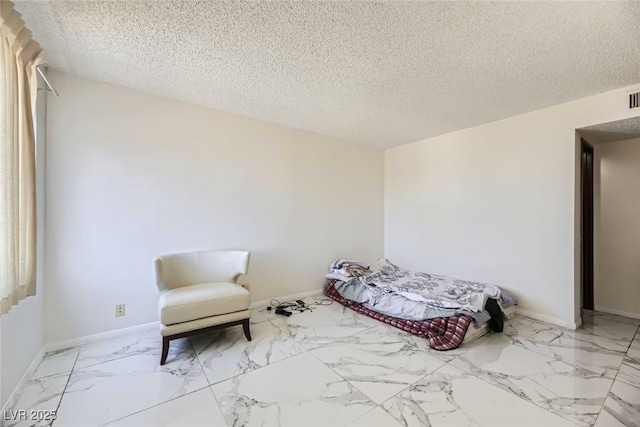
(199, 293)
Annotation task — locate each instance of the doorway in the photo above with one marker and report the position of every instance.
(586, 224)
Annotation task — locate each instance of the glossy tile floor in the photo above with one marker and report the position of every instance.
(334, 367)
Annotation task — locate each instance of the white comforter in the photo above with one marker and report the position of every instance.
(435, 290)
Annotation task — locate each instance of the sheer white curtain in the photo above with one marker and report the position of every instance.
(18, 91)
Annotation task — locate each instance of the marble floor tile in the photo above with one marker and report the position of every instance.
(612, 336)
(56, 362)
(605, 419)
(616, 328)
(632, 358)
(298, 391)
(105, 392)
(622, 404)
(323, 325)
(145, 342)
(449, 355)
(573, 393)
(333, 366)
(452, 397)
(197, 409)
(636, 340)
(380, 361)
(594, 318)
(228, 353)
(592, 352)
(40, 394)
(260, 314)
(629, 374)
(378, 417)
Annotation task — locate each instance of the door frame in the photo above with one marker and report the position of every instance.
(586, 225)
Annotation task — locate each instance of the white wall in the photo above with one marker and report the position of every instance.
(497, 203)
(22, 329)
(131, 176)
(617, 227)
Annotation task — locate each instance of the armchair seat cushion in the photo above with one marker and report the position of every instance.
(203, 300)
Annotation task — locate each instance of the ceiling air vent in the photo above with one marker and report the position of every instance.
(634, 100)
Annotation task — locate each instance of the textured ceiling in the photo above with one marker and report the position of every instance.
(619, 130)
(377, 73)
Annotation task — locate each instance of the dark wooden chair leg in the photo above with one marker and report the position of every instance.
(165, 350)
(247, 332)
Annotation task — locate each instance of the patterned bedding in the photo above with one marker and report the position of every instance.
(443, 292)
(443, 333)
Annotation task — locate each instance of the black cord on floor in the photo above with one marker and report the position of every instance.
(322, 301)
(286, 308)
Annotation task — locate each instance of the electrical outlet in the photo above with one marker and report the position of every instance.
(119, 310)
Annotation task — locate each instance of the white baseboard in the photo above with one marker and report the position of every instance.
(578, 322)
(17, 391)
(74, 342)
(287, 298)
(618, 312)
(550, 319)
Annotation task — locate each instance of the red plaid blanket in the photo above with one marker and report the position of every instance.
(443, 333)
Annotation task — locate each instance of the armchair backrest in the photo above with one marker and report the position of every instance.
(191, 268)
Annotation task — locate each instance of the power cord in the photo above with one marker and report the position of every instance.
(322, 301)
(286, 308)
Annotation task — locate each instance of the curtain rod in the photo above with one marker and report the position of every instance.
(46, 81)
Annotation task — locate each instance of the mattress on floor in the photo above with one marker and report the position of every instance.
(474, 332)
(442, 333)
